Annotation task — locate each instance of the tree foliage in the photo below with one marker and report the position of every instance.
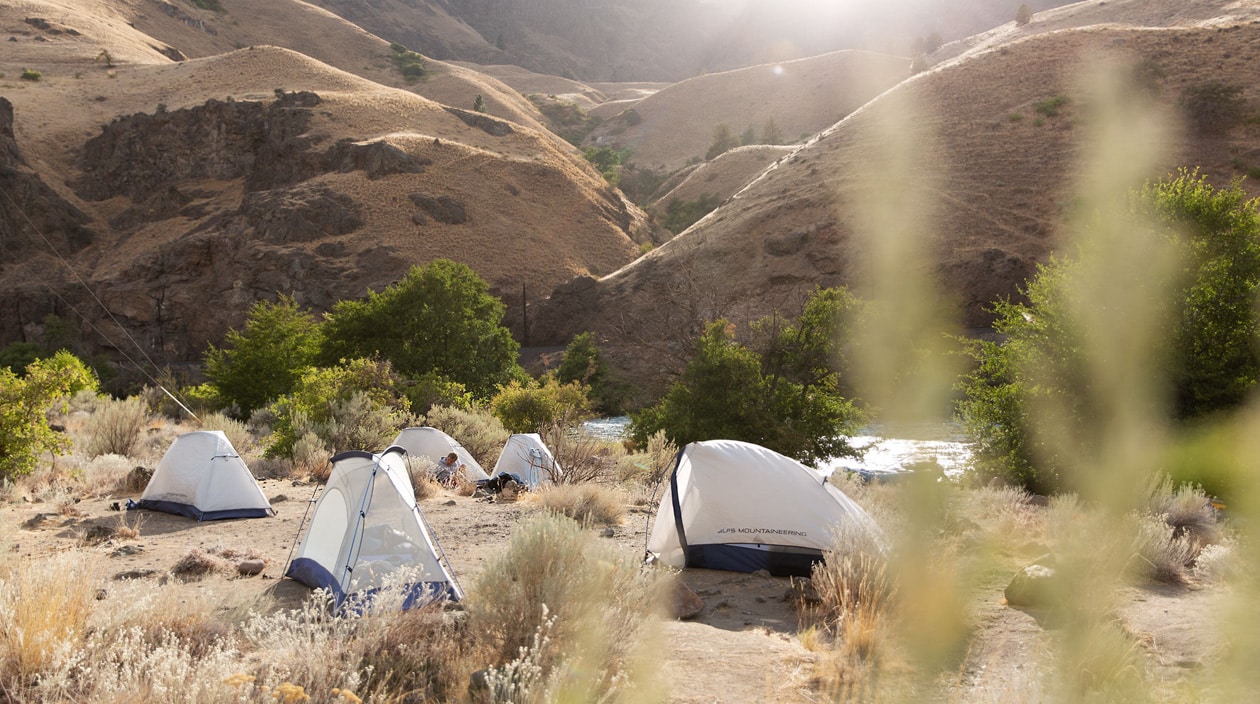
(24, 403)
(1213, 359)
(723, 141)
(439, 319)
(323, 396)
(534, 408)
(583, 363)
(261, 363)
(787, 396)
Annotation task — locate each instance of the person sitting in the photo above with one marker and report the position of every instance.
(447, 469)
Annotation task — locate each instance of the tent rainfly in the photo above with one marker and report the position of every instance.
(366, 526)
(737, 506)
(434, 444)
(202, 477)
(526, 456)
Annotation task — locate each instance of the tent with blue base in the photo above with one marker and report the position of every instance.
(202, 477)
(733, 505)
(366, 528)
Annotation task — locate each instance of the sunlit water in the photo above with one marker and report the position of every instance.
(885, 454)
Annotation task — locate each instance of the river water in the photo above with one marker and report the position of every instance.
(886, 453)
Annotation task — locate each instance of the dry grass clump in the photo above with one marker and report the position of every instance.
(421, 655)
(117, 427)
(588, 504)
(199, 563)
(237, 432)
(44, 609)
(426, 487)
(562, 601)
(651, 465)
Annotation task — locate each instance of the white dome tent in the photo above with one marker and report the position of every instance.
(434, 444)
(366, 526)
(528, 457)
(733, 505)
(202, 477)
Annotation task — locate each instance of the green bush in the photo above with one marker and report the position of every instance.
(723, 141)
(682, 214)
(327, 399)
(29, 74)
(17, 355)
(1050, 106)
(1213, 362)
(24, 402)
(262, 363)
(409, 63)
(431, 390)
(532, 408)
(608, 161)
(583, 363)
(439, 319)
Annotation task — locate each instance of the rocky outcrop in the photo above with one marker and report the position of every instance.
(33, 217)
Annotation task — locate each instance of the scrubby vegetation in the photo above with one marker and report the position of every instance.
(409, 63)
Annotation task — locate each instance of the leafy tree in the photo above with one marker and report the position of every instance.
(770, 132)
(681, 214)
(608, 161)
(1023, 15)
(1213, 357)
(583, 363)
(788, 397)
(479, 104)
(533, 408)
(749, 136)
(322, 394)
(439, 319)
(24, 402)
(17, 355)
(263, 362)
(723, 141)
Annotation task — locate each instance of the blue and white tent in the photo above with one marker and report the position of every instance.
(367, 528)
(202, 477)
(733, 505)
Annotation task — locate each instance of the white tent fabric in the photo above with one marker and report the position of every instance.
(527, 456)
(434, 444)
(366, 526)
(202, 477)
(737, 506)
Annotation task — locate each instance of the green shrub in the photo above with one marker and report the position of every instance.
(531, 408)
(321, 393)
(29, 74)
(431, 390)
(682, 214)
(17, 355)
(409, 63)
(1023, 15)
(583, 363)
(1050, 107)
(608, 161)
(723, 141)
(24, 402)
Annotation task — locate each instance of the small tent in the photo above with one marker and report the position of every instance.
(202, 477)
(736, 506)
(433, 444)
(526, 456)
(365, 527)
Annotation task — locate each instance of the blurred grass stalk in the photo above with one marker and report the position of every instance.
(1114, 454)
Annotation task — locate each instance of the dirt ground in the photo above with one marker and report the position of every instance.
(744, 646)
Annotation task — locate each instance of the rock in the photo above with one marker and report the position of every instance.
(134, 574)
(477, 681)
(607, 533)
(138, 478)
(280, 498)
(126, 550)
(762, 573)
(249, 568)
(1037, 500)
(683, 603)
(36, 521)
(95, 535)
(452, 502)
(1034, 586)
